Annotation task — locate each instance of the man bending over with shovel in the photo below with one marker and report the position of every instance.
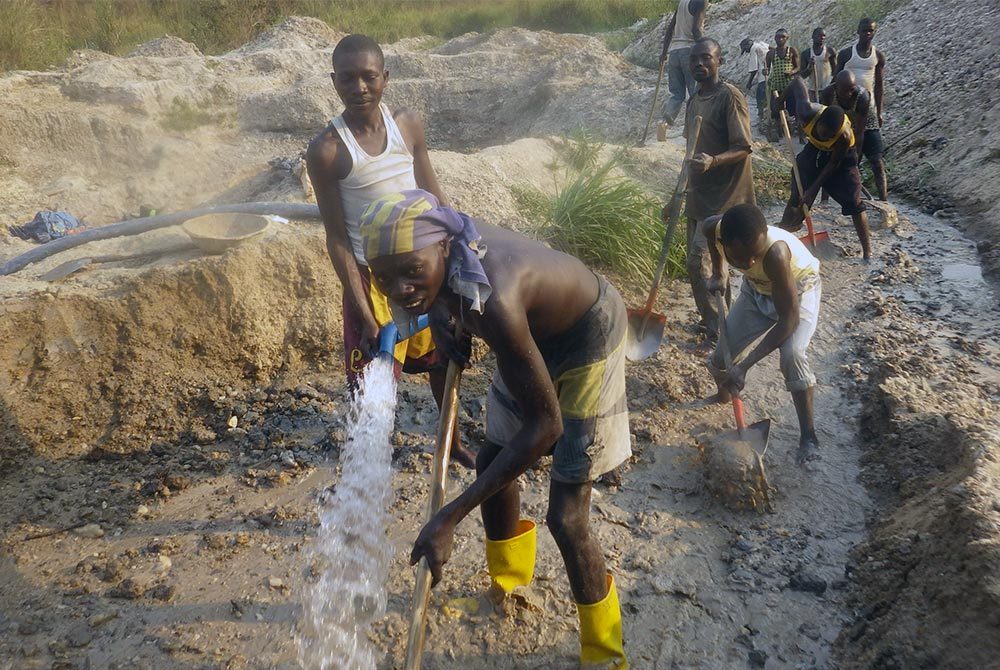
(779, 300)
(828, 161)
(558, 333)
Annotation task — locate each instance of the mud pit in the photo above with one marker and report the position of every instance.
(120, 386)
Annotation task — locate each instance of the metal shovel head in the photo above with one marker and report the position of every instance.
(821, 246)
(645, 332)
(64, 270)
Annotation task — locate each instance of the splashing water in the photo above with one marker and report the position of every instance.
(351, 547)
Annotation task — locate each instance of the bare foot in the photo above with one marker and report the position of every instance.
(808, 451)
(463, 457)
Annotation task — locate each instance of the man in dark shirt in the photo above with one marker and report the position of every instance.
(720, 171)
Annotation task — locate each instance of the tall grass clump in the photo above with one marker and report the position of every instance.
(607, 221)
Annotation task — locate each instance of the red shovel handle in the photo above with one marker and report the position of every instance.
(741, 423)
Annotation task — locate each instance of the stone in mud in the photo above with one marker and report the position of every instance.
(162, 592)
(807, 582)
(79, 635)
(757, 658)
(731, 473)
(90, 531)
(129, 589)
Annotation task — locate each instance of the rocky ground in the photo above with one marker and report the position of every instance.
(167, 427)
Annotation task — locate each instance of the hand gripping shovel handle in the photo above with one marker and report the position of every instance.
(673, 215)
(727, 357)
(439, 476)
(652, 109)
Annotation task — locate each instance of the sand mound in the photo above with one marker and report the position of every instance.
(166, 47)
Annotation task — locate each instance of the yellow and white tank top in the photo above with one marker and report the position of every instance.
(805, 266)
(372, 177)
(827, 145)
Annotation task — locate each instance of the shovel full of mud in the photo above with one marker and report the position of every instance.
(734, 460)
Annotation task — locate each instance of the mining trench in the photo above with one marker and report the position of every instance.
(141, 529)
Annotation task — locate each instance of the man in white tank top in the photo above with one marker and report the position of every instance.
(685, 28)
(364, 154)
(778, 304)
(868, 65)
(819, 64)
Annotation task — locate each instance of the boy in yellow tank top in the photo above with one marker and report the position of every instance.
(829, 161)
(779, 300)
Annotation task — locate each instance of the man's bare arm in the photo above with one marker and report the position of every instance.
(879, 83)
(423, 172)
(859, 118)
(697, 9)
(842, 58)
(320, 162)
(778, 268)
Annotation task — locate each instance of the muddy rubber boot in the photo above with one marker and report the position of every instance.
(511, 562)
(601, 643)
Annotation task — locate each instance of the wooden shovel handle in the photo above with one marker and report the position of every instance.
(673, 215)
(439, 478)
(798, 177)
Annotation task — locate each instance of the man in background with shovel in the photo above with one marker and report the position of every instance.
(779, 299)
(558, 333)
(720, 169)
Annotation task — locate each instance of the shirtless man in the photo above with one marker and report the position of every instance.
(828, 161)
(818, 64)
(552, 324)
(868, 65)
(363, 154)
(779, 300)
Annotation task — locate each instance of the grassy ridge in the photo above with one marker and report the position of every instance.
(36, 34)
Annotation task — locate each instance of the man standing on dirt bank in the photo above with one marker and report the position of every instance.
(687, 25)
(779, 299)
(782, 66)
(721, 173)
(363, 154)
(868, 66)
(758, 69)
(558, 333)
(818, 64)
(828, 161)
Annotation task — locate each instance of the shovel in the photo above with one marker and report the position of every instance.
(645, 327)
(755, 434)
(439, 473)
(652, 110)
(819, 243)
(64, 270)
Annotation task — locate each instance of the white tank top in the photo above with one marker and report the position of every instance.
(805, 266)
(821, 63)
(372, 177)
(683, 37)
(864, 71)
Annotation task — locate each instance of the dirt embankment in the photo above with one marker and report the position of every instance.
(926, 588)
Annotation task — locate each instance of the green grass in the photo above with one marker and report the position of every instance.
(607, 221)
(182, 116)
(36, 34)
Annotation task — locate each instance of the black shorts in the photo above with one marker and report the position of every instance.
(844, 185)
(873, 146)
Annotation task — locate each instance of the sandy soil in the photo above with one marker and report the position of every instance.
(142, 529)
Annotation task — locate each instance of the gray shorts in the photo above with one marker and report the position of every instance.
(587, 365)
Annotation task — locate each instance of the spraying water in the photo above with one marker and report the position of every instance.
(351, 546)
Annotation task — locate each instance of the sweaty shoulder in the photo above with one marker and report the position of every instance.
(323, 149)
(410, 123)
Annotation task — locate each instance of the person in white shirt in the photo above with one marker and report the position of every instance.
(758, 70)
(818, 64)
(685, 28)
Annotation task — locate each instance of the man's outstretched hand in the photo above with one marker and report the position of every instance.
(434, 545)
(735, 379)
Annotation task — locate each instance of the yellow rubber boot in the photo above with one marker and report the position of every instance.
(511, 562)
(601, 643)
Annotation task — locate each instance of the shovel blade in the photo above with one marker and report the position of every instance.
(756, 434)
(64, 270)
(821, 246)
(645, 332)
